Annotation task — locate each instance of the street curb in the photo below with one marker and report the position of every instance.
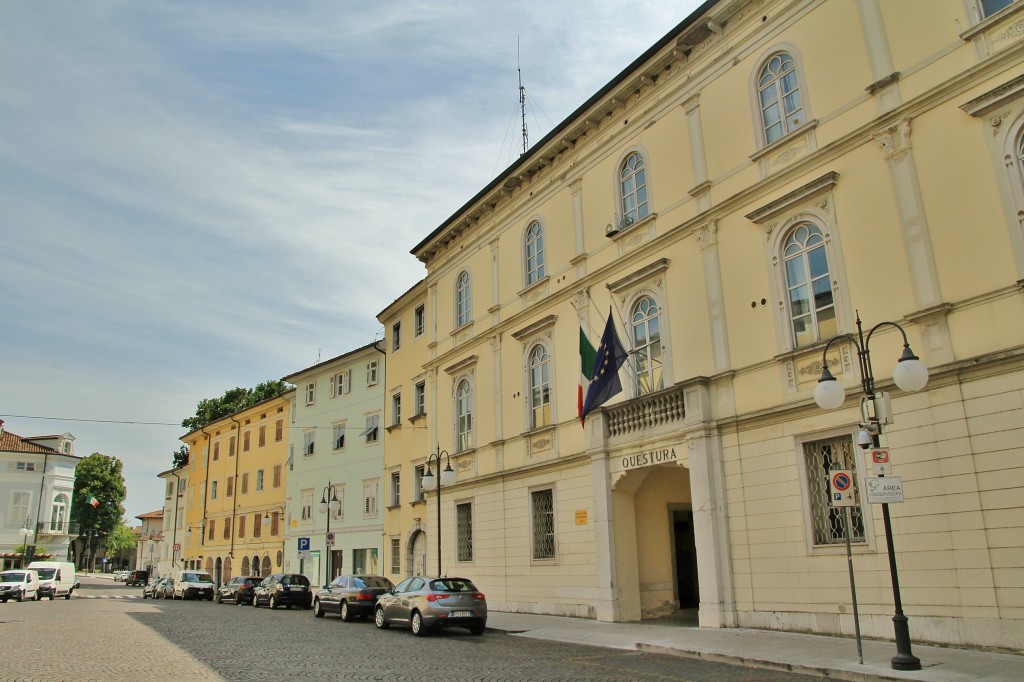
(765, 664)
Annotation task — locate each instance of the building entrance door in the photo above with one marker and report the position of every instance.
(684, 546)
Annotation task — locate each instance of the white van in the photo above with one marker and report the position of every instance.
(56, 578)
(18, 585)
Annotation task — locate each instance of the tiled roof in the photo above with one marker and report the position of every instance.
(10, 442)
(158, 514)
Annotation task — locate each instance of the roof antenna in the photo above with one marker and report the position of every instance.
(522, 100)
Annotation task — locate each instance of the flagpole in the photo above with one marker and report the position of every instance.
(634, 383)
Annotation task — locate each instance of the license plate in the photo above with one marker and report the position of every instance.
(461, 614)
(295, 588)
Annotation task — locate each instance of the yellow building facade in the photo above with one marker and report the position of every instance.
(235, 499)
(763, 176)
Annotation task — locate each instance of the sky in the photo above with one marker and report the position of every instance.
(196, 196)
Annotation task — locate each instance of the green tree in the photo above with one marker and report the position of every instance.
(180, 456)
(235, 399)
(120, 538)
(98, 476)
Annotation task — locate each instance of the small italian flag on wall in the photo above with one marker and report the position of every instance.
(93, 501)
(588, 356)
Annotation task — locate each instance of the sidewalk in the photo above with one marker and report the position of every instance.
(831, 657)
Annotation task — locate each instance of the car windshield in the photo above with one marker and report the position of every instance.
(371, 581)
(452, 585)
(12, 577)
(196, 578)
(294, 580)
(46, 573)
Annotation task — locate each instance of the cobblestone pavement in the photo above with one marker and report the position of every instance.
(122, 639)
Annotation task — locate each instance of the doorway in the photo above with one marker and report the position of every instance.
(684, 552)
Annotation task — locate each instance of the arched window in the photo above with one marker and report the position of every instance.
(245, 565)
(809, 285)
(778, 91)
(633, 189)
(463, 314)
(255, 567)
(463, 416)
(645, 326)
(534, 253)
(265, 571)
(59, 514)
(540, 387)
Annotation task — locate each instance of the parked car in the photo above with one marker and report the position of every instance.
(238, 590)
(164, 589)
(56, 578)
(350, 596)
(121, 576)
(284, 589)
(137, 578)
(19, 585)
(425, 603)
(149, 590)
(193, 585)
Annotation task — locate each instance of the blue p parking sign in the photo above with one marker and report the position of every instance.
(303, 544)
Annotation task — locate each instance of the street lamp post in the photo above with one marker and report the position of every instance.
(909, 375)
(25, 532)
(429, 482)
(88, 534)
(329, 508)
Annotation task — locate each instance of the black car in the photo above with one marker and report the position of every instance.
(137, 578)
(284, 589)
(238, 590)
(350, 596)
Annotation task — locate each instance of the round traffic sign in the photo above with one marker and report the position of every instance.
(841, 481)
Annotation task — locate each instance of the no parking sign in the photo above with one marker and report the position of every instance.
(840, 488)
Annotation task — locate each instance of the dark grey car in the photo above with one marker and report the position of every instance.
(350, 596)
(425, 603)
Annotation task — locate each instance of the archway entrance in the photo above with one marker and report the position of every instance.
(417, 563)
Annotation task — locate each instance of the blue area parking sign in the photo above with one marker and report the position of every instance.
(303, 544)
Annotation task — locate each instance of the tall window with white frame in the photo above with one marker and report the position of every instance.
(396, 336)
(463, 314)
(463, 416)
(542, 518)
(828, 523)
(419, 396)
(309, 443)
(396, 408)
(338, 436)
(464, 531)
(633, 189)
(396, 556)
(540, 387)
(396, 482)
(809, 285)
(778, 92)
(419, 321)
(310, 393)
(534, 253)
(645, 333)
(372, 427)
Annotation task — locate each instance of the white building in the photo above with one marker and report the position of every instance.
(336, 453)
(37, 478)
(149, 548)
(176, 482)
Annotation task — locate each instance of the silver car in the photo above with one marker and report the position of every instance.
(425, 603)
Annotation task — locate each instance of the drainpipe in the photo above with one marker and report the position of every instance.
(234, 485)
(206, 485)
(174, 533)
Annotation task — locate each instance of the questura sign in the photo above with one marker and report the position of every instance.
(643, 459)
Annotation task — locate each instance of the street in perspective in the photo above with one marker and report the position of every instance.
(108, 632)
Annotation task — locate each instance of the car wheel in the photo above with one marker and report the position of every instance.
(416, 623)
(318, 610)
(220, 598)
(68, 595)
(210, 598)
(51, 597)
(19, 597)
(273, 602)
(39, 597)
(476, 630)
(378, 619)
(346, 615)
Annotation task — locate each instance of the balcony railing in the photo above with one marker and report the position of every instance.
(647, 412)
(57, 528)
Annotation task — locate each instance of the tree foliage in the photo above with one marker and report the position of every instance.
(101, 477)
(120, 538)
(180, 456)
(235, 399)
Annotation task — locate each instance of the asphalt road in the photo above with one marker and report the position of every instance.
(106, 632)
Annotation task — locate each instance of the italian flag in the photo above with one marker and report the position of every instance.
(588, 356)
(95, 503)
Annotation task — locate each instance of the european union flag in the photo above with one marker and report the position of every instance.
(604, 378)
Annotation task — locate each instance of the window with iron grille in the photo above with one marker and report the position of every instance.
(464, 531)
(396, 556)
(542, 516)
(828, 522)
